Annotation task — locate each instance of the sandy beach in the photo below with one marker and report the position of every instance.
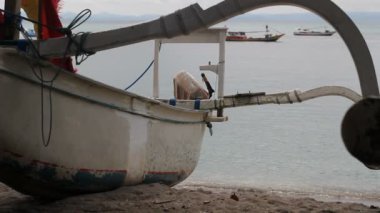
(161, 198)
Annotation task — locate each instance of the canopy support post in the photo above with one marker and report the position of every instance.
(155, 69)
(221, 68)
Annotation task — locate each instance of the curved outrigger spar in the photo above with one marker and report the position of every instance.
(151, 141)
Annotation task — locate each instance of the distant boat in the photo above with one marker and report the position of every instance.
(309, 32)
(31, 33)
(242, 36)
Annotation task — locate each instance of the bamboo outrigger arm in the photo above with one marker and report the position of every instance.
(193, 18)
(246, 99)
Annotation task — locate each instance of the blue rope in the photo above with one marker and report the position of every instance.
(146, 70)
(142, 74)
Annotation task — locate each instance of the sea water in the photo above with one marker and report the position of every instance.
(281, 147)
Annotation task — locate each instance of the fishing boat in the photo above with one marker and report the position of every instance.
(31, 33)
(242, 36)
(310, 32)
(63, 134)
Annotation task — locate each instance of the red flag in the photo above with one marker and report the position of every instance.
(2, 27)
(48, 15)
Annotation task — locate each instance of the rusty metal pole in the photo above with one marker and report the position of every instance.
(12, 7)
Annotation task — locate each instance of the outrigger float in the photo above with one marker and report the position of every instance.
(63, 134)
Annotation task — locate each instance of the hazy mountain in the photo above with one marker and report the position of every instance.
(356, 16)
(109, 17)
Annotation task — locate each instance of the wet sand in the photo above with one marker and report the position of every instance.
(161, 198)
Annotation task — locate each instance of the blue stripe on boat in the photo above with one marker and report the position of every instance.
(58, 178)
(173, 102)
(197, 104)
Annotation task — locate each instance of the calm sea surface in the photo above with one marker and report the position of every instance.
(282, 147)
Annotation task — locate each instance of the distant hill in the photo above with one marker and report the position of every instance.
(366, 16)
(109, 17)
(356, 16)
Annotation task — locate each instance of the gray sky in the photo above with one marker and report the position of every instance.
(162, 7)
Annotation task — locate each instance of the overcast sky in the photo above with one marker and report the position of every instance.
(162, 7)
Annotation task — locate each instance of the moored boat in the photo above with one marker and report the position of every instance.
(242, 36)
(309, 32)
(236, 36)
(63, 134)
(267, 38)
(31, 33)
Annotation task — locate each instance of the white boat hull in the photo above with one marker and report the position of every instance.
(101, 137)
(314, 33)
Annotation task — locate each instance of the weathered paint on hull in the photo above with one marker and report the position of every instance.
(102, 137)
(43, 179)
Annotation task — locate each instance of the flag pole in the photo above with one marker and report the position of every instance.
(39, 33)
(12, 7)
